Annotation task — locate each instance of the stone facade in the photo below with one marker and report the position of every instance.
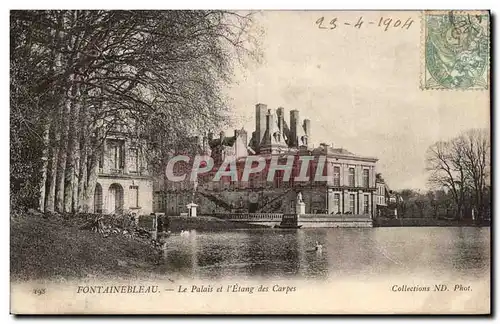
(124, 183)
(347, 187)
(383, 197)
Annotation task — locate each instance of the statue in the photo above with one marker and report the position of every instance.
(300, 207)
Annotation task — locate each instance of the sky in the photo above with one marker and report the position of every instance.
(360, 87)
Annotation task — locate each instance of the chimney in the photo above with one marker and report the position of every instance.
(269, 122)
(294, 119)
(307, 127)
(307, 130)
(260, 123)
(222, 135)
(267, 140)
(243, 134)
(280, 112)
(236, 134)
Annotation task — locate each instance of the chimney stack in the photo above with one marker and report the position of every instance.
(243, 134)
(307, 127)
(280, 112)
(307, 130)
(294, 120)
(269, 122)
(260, 123)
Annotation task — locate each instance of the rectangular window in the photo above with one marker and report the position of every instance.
(134, 197)
(336, 203)
(351, 177)
(278, 178)
(366, 178)
(336, 176)
(365, 204)
(116, 155)
(101, 159)
(352, 206)
(133, 160)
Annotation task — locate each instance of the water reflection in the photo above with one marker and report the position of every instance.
(353, 252)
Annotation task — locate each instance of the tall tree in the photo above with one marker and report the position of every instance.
(461, 165)
(159, 75)
(476, 152)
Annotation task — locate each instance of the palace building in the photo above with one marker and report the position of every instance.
(336, 181)
(124, 183)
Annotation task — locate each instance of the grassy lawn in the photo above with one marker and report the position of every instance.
(55, 247)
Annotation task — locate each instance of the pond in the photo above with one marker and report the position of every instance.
(347, 252)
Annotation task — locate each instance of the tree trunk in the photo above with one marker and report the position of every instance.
(82, 180)
(55, 148)
(61, 161)
(43, 168)
(92, 181)
(76, 172)
(54, 152)
(82, 172)
(70, 171)
(76, 175)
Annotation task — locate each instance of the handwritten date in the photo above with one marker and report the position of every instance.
(385, 23)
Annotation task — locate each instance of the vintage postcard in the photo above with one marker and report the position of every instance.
(250, 162)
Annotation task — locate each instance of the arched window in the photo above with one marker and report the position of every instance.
(115, 205)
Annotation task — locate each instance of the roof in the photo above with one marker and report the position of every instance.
(342, 151)
(226, 141)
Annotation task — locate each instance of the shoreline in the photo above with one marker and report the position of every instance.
(199, 223)
(427, 222)
(55, 246)
(44, 246)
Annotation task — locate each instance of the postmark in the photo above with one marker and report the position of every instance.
(456, 50)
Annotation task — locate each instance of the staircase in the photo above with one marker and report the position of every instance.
(216, 200)
(268, 207)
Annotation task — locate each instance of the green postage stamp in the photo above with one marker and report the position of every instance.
(456, 50)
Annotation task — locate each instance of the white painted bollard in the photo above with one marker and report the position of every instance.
(192, 209)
